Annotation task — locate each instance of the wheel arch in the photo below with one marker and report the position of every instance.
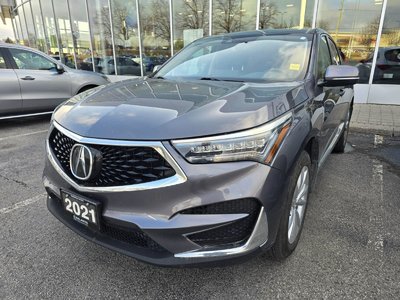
(86, 87)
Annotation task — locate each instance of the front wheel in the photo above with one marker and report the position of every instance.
(294, 209)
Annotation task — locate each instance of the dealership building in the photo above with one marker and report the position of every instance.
(84, 34)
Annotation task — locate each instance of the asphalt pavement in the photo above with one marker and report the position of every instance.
(349, 249)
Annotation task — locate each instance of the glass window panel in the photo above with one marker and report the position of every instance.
(286, 13)
(30, 25)
(387, 70)
(64, 26)
(99, 18)
(335, 56)
(50, 27)
(125, 30)
(156, 30)
(2, 62)
(233, 15)
(80, 34)
(38, 23)
(190, 21)
(17, 27)
(24, 38)
(353, 24)
(28, 60)
(324, 58)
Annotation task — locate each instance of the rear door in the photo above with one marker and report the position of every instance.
(42, 87)
(10, 93)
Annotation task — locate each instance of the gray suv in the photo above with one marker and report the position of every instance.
(209, 159)
(32, 82)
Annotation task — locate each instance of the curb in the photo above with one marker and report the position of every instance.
(367, 128)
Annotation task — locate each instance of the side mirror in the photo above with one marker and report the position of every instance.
(341, 75)
(156, 68)
(60, 69)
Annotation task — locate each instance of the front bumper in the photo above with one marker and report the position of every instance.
(150, 224)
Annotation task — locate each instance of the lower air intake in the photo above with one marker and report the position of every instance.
(232, 233)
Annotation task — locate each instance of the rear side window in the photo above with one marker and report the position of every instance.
(28, 60)
(393, 55)
(2, 61)
(324, 58)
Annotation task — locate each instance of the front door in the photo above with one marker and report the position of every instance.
(10, 95)
(42, 86)
(334, 101)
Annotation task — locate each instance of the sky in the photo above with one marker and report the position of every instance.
(6, 30)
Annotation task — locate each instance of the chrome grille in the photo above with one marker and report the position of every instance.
(121, 165)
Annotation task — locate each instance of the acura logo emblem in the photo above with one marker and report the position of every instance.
(81, 161)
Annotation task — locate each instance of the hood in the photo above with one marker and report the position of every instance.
(155, 109)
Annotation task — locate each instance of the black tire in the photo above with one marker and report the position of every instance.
(341, 143)
(282, 247)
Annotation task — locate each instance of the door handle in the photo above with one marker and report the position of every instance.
(28, 78)
(342, 92)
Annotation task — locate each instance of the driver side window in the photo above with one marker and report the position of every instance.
(324, 58)
(28, 60)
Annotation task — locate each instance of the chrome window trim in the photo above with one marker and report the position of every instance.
(178, 178)
(258, 238)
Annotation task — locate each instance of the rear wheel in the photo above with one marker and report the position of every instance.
(294, 209)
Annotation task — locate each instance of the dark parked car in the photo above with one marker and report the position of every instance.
(32, 82)
(105, 65)
(387, 70)
(209, 160)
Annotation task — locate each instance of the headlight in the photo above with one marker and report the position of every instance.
(257, 144)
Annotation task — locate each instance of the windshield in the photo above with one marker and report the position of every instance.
(251, 59)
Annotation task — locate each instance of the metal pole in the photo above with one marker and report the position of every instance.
(112, 37)
(34, 25)
(72, 33)
(26, 25)
(139, 36)
(314, 21)
(210, 18)
(13, 26)
(302, 13)
(378, 41)
(171, 25)
(58, 35)
(46, 36)
(258, 14)
(20, 28)
(90, 35)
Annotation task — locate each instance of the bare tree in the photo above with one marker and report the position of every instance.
(122, 29)
(393, 38)
(368, 33)
(157, 22)
(324, 24)
(193, 15)
(268, 12)
(229, 15)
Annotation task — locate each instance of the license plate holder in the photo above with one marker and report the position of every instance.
(82, 210)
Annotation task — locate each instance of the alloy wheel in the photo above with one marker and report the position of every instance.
(299, 202)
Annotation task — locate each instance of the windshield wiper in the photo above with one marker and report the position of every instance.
(158, 77)
(217, 79)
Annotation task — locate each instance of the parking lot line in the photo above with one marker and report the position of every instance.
(21, 204)
(22, 135)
